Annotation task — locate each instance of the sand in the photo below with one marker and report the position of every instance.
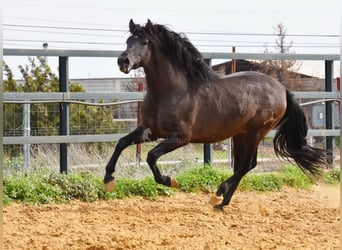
(290, 219)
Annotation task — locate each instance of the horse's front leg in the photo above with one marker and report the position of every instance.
(139, 135)
(169, 144)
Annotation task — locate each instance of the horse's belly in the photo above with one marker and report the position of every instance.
(215, 131)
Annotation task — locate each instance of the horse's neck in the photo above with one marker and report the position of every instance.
(162, 77)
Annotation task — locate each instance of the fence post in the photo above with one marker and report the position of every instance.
(63, 113)
(27, 132)
(329, 141)
(139, 121)
(230, 144)
(207, 148)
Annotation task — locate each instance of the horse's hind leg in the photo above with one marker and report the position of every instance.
(228, 196)
(245, 153)
(139, 135)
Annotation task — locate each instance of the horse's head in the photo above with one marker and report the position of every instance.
(137, 53)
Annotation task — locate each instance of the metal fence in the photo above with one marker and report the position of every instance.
(64, 99)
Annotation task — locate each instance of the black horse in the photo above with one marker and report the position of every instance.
(187, 102)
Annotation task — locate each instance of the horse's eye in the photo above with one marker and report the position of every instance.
(144, 42)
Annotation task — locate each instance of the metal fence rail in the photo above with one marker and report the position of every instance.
(124, 97)
(64, 97)
(209, 55)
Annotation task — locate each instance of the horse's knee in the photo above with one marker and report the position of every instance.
(122, 144)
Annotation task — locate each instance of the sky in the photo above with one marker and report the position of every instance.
(212, 26)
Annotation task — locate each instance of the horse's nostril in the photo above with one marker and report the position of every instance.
(123, 61)
(126, 61)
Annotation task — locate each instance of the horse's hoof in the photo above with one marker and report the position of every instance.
(174, 183)
(215, 200)
(218, 208)
(109, 186)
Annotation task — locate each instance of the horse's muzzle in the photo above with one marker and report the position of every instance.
(124, 64)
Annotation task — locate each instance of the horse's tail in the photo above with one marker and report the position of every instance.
(289, 141)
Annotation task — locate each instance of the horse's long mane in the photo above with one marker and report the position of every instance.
(180, 51)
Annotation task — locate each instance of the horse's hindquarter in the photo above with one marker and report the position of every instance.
(236, 103)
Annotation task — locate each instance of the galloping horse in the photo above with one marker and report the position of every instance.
(187, 102)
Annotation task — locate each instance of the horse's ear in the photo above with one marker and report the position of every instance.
(148, 26)
(131, 26)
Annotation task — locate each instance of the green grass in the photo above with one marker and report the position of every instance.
(30, 188)
(146, 187)
(332, 176)
(48, 187)
(292, 176)
(261, 182)
(202, 179)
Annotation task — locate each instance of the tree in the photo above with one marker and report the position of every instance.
(281, 69)
(13, 117)
(44, 118)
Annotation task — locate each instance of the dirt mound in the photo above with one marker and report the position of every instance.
(291, 219)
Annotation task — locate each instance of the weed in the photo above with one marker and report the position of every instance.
(261, 182)
(146, 187)
(83, 186)
(204, 179)
(46, 186)
(12, 164)
(332, 176)
(294, 177)
(30, 189)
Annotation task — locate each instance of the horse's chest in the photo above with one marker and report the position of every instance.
(161, 119)
(151, 118)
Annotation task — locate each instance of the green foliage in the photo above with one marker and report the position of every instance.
(83, 186)
(9, 85)
(261, 182)
(204, 179)
(332, 176)
(146, 188)
(47, 187)
(292, 176)
(6, 200)
(12, 164)
(30, 189)
(38, 188)
(39, 77)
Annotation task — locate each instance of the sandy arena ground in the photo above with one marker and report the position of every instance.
(291, 219)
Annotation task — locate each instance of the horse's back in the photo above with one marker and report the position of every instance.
(252, 77)
(254, 84)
